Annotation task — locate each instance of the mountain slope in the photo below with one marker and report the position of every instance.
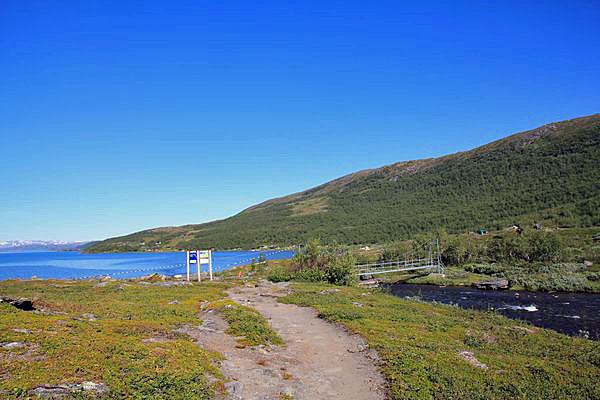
(550, 174)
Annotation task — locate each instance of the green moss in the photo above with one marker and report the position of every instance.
(247, 323)
(66, 348)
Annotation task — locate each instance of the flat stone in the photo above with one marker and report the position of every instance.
(470, 358)
(13, 345)
(68, 389)
(493, 284)
(22, 330)
(329, 291)
(89, 316)
(157, 340)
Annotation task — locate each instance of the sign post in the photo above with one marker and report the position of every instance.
(198, 261)
(187, 264)
(210, 264)
(192, 258)
(199, 257)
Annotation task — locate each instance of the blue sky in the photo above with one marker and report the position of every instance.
(116, 116)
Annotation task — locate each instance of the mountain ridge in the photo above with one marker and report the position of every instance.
(509, 180)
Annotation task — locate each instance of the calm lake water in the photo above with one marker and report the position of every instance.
(576, 314)
(74, 265)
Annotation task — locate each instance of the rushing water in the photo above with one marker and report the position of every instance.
(74, 265)
(576, 314)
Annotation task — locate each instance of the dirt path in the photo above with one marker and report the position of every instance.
(318, 361)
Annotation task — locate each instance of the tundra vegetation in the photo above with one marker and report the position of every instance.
(122, 334)
(532, 259)
(125, 334)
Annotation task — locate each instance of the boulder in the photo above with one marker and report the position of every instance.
(492, 284)
(21, 304)
(366, 277)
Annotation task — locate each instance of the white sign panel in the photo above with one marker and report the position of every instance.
(204, 255)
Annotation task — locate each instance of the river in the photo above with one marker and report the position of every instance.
(575, 314)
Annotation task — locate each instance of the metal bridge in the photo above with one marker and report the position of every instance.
(433, 262)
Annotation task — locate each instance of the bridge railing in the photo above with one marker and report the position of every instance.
(399, 266)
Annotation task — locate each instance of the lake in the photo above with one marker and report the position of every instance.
(74, 265)
(575, 314)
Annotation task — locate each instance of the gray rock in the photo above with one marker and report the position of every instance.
(329, 291)
(437, 275)
(157, 340)
(68, 389)
(358, 348)
(89, 316)
(22, 330)
(234, 388)
(492, 284)
(357, 304)
(366, 277)
(470, 358)
(588, 263)
(13, 345)
(174, 302)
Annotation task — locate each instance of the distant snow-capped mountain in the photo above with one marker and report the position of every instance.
(40, 245)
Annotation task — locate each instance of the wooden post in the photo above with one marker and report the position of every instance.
(210, 264)
(198, 263)
(187, 262)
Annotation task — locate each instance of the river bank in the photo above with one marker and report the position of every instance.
(437, 351)
(574, 314)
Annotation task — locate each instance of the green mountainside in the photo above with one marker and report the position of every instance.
(548, 175)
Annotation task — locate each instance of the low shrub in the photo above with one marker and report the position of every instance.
(317, 263)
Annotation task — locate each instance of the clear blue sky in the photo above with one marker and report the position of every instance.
(116, 116)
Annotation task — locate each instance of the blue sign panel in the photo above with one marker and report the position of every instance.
(193, 257)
